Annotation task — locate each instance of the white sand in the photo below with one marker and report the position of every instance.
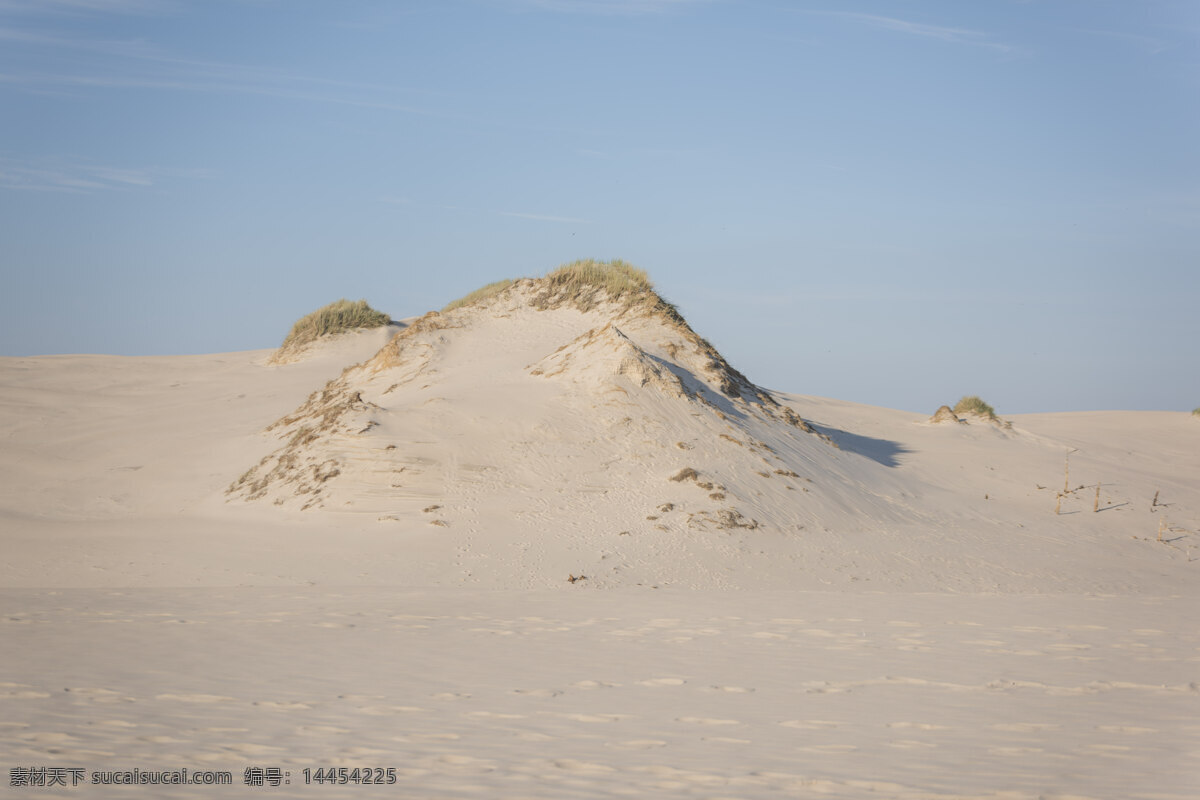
(909, 618)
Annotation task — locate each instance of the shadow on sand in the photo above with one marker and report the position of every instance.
(881, 451)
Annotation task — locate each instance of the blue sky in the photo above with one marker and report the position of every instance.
(895, 203)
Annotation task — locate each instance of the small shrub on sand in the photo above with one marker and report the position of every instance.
(1196, 412)
(339, 316)
(974, 405)
(490, 290)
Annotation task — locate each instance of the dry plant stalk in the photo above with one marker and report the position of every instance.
(1096, 502)
(1057, 502)
(1067, 473)
(1161, 524)
(1154, 502)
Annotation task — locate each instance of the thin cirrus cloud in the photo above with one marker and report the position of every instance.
(610, 7)
(544, 217)
(82, 6)
(54, 175)
(942, 33)
(137, 64)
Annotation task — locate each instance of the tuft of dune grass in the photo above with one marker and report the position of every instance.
(585, 283)
(973, 404)
(338, 316)
(1196, 412)
(483, 293)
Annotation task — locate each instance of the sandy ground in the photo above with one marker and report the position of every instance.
(918, 623)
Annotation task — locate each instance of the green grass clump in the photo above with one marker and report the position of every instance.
(577, 281)
(974, 405)
(479, 294)
(341, 315)
(1196, 412)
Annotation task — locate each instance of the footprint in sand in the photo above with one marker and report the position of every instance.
(809, 724)
(321, 730)
(1126, 729)
(595, 717)
(276, 706)
(1025, 727)
(830, 748)
(662, 682)
(731, 689)
(538, 692)
(585, 767)
(708, 721)
(252, 749)
(383, 711)
(195, 698)
(492, 715)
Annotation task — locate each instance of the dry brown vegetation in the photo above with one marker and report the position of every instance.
(973, 404)
(483, 293)
(337, 317)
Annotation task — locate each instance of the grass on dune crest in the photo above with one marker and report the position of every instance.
(337, 317)
(482, 293)
(583, 284)
(578, 280)
(973, 404)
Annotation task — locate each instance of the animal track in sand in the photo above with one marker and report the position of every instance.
(708, 721)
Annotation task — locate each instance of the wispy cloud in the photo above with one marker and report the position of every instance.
(544, 217)
(611, 7)
(137, 64)
(83, 6)
(942, 33)
(1149, 43)
(67, 175)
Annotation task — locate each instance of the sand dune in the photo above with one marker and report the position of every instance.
(361, 558)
